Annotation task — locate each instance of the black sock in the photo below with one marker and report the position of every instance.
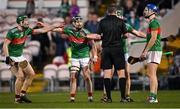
(122, 86)
(107, 84)
(17, 96)
(23, 93)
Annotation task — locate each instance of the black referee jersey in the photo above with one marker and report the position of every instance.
(111, 28)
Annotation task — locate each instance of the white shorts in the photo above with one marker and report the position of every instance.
(18, 59)
(80, 62)
(126, 55)
(154, 56)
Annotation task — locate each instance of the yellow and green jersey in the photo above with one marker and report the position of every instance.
(154, 25)
(17, 38)
(79, 44)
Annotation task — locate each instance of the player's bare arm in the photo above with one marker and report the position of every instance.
(58, 30)
(150, 43)
(93, 36)
(138, 33)
(46, 29)
(5, 47)
(94, 50)
(64, 36)
(6, 52)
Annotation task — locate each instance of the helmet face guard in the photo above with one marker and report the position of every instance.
(119, 13)
(77, 22)
(150, 9)
(76, 18)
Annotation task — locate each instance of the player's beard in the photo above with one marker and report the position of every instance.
(78, 27)
(147, 17)
(25, 26)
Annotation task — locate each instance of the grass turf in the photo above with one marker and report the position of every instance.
(167, 99)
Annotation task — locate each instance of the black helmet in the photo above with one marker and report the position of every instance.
(76, 18)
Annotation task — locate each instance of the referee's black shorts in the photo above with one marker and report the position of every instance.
(112, 56)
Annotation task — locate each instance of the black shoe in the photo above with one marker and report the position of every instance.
(123, 100)
(25, 99)
(72, 101)
(129, 99)
(18, 100)
(103, 98)
(90, 100)
(108, 100)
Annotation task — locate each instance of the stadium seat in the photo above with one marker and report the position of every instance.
(2, 13)
(34, 47)
(11, 12)
(5, 75)
(10, 20)
(63, 73)
(1, 19)
(58, 60)
(47, 20)
(6, 27)
(50, 73)
(27, 54)
(63, 77)
(55, 20)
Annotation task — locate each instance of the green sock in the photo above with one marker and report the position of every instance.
(153, 95)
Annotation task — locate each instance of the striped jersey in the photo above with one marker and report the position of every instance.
(79, 44)
(154, 25)
(17, 38)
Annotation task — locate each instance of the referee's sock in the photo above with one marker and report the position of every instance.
(107, 84)
(122, 86)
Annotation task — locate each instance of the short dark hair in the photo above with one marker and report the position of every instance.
(112, 9)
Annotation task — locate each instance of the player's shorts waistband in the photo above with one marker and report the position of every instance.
(18, 59)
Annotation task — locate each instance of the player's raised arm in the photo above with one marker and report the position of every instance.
(93, 36)
(58, 30)
(46, 28)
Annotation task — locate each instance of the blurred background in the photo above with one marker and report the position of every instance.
(49, 54)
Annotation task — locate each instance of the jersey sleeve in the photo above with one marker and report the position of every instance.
(129, 27)
(9, 35)
(154, 25)
(124, 29)
(86, 31)
(29, 31)
(68, 31)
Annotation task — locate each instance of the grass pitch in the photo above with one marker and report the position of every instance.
(167, 99)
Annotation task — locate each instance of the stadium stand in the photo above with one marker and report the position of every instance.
(50, 73)
(34, 47)
(5, 76)
(47, 9)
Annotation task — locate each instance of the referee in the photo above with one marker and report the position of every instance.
(112, 29)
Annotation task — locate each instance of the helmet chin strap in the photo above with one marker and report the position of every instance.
(149, 15)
